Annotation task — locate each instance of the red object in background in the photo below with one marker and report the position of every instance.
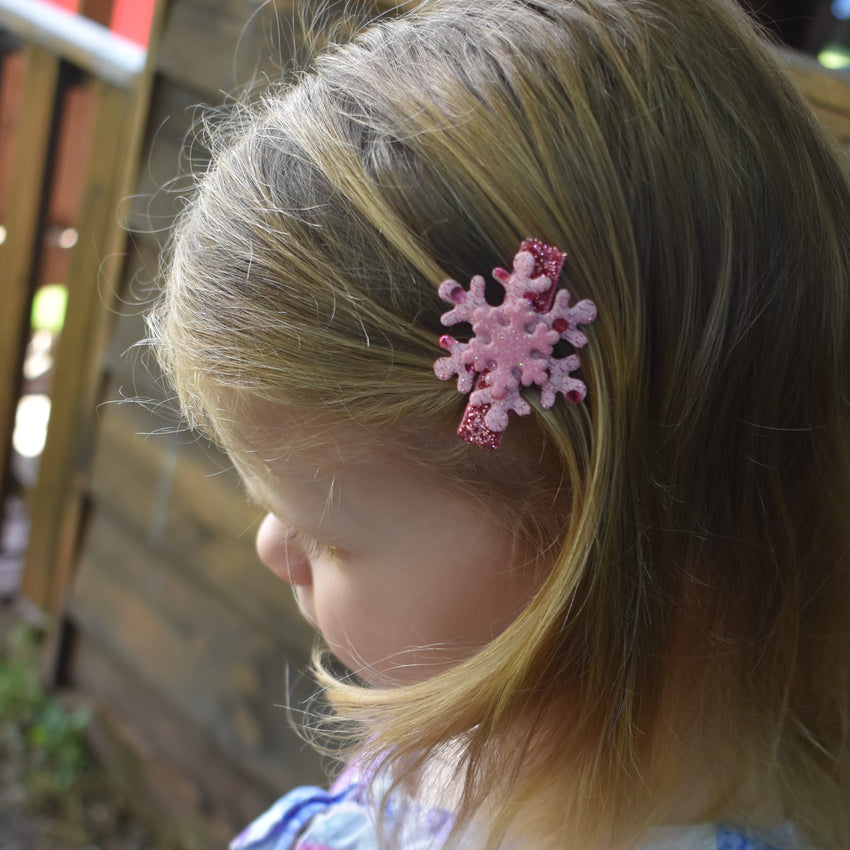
(128, 18)
(70, 5)
(132, 19)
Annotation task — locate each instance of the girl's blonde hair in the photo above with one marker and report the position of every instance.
(695, 509)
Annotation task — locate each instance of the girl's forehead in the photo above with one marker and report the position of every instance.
(342, 480)
(353, 491)
(267, 434)
(297, 487)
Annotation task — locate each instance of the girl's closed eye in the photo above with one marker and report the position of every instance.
(308, 546)
(294, 540)
(289, 552)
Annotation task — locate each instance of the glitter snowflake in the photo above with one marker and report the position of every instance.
(513, 342)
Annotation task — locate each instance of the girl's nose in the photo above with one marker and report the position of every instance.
(281, 554)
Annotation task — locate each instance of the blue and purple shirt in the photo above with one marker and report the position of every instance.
(344, 818)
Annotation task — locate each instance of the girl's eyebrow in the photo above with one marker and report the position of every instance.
(262, 503)
(266, 505)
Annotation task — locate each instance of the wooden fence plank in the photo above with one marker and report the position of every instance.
(170, 158)
(828, 93)
(23, 213)
(184, 505)
(93, 284)
(231, 41)
(828, 90)
(12, 68)
(56, 516)
(193, 648)
(152, 749)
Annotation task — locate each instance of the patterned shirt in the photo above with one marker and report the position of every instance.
(343, 818)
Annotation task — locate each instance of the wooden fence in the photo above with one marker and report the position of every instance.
(141, 551)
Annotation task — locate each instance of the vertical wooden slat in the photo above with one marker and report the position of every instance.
(24, 206)
(12, 69)
(60, 493)
(54, 527)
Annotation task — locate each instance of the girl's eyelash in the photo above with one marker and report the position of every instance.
(311, 547)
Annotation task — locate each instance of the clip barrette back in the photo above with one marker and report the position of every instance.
(512, 344)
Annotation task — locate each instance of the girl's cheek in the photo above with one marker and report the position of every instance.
(306, 605)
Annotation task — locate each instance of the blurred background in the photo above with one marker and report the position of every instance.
(149, 667)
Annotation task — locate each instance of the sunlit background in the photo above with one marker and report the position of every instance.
(835, 53)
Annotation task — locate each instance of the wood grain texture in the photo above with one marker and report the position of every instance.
(221, 46)
(172, 767)
(189, 644)
(24, 206)
(828, 93)
(57, 509)
(825, 89)
(183, 503)
(60, 494)
(173, 153)
(170, 588)
(12, 68)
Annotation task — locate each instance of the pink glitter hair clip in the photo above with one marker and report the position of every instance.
(512, 344)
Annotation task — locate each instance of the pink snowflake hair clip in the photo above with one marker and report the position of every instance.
(512, 344)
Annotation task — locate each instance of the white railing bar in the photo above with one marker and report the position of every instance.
(74, 38)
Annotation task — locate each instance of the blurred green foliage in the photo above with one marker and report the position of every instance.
(47, 773)
(41, 740)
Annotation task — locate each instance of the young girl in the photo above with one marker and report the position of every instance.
(579, 525)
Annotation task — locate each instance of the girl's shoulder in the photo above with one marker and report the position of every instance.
(345, 818)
